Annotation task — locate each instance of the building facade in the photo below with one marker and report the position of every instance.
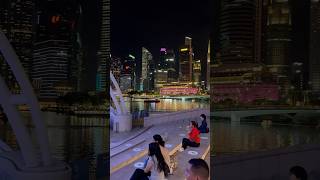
(104, 52)
(314, 65)
(279, 40)
(17, 23)
(51, 66)
(237, 28)
(147, 79)
(185, 61)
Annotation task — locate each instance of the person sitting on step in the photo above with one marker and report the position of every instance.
(155, 164)
(194, 139)
(204, 126)
(164, 151)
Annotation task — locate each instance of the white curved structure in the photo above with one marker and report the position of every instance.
(27, 163)
(119, 116)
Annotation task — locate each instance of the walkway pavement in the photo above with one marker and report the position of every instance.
(132, 153)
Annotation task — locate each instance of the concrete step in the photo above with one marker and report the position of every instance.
(190, 153)
(126, 168)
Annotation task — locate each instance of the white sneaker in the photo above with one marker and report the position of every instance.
(181, 149)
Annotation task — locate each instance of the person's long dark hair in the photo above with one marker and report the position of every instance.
(159, 140)
(154, 150)
(195, 124)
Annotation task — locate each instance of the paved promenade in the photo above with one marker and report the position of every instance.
(129, 154)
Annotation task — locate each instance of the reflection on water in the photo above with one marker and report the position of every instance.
(232, 138)
(166, 105)
(70, 137)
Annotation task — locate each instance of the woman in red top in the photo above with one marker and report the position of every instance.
(194, 139)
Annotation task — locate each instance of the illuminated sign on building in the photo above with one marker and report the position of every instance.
(184, 49)
(178, 90)
(131, 56)
(163, 49)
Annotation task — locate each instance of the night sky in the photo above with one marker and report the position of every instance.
(156, 24)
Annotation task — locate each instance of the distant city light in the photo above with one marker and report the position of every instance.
(55, 19)
(184, 49)
(131, 56)
(163, 49)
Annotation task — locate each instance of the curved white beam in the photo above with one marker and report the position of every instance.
(118, 92)
(120, 116)
(31, 100)
(15, 120)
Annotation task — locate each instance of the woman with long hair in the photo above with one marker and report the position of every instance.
(156, 165)
(194, 139)
(164, 151)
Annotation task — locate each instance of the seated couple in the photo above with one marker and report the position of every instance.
(194, 140)
(157, 164)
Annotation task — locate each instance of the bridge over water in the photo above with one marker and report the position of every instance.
(236, 114)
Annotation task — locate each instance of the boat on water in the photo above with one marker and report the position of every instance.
(151, 100)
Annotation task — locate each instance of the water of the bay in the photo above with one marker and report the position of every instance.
(228, 138)
(166, 105)
(70, 137)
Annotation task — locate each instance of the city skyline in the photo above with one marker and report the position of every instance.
(161, 25)
(52, 20)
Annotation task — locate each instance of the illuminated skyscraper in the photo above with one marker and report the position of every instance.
(208, 67)
(196, 72)
(57, 43)
(128, 73)
(16, 21)
(51, 64)
(104, 53)
(116, 67)
(147, 71)
(314, 71)
(171, 66)
(279, 40)
(186, 60)
(237, 26)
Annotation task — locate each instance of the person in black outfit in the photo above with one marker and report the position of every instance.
(204, 126)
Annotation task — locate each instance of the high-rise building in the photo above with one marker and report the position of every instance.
(279, 39)
(54, 25)
(147, 71)
(104, 52)
(115, 67)
(314, 70)
(51, 66)
(208, 67)
(16, 21)
(197, 73)
(237, 26)
(161, 64)
(186, 60)
(128, 72)
(171, 66)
